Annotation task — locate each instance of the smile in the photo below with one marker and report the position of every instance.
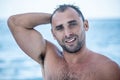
(70, 40)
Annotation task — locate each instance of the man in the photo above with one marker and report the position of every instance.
(76, 61)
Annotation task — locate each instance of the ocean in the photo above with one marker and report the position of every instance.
(103, 37)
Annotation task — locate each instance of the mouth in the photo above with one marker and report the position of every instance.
(70, 40)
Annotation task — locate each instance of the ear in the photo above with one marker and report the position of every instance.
(86, 25)
(53, 34)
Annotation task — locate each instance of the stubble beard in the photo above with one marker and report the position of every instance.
(76, 47)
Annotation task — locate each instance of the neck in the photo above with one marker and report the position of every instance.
(77, 57)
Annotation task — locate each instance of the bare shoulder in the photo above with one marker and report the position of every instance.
(52, 52)
(52, 48)
(107, 68)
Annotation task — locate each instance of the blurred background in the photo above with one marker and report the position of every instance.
(103, 35)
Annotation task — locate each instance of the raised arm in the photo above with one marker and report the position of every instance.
(29, 40)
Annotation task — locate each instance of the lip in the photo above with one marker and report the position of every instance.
(71, 40)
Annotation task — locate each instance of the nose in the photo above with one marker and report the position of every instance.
(67, 32)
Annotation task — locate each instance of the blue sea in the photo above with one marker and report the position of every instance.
(103, 37)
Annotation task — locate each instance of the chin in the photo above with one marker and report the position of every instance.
(72, 51)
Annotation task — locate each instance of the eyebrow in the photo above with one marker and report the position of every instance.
(59, 25)
(72, 21)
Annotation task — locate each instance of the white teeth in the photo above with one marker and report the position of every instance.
(70, 40)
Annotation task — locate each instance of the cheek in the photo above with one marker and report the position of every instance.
(58, 36)
(80, 29)
(77, 30)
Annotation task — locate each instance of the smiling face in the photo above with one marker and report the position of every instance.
(68, 29)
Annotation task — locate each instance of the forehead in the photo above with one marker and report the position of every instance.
(64, 16)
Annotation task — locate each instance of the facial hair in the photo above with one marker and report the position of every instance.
(80, 41)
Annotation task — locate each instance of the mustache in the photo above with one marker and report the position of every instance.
(70, 37)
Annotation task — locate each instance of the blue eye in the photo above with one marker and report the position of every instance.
(73, 23)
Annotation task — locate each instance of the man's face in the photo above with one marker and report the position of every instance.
(68, 30)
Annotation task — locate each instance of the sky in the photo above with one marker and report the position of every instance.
(89, 8)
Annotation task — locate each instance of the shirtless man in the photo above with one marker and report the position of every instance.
(76, 61)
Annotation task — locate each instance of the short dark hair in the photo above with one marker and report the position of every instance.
(62, 8)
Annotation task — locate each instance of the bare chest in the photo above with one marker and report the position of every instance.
(70, 72)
